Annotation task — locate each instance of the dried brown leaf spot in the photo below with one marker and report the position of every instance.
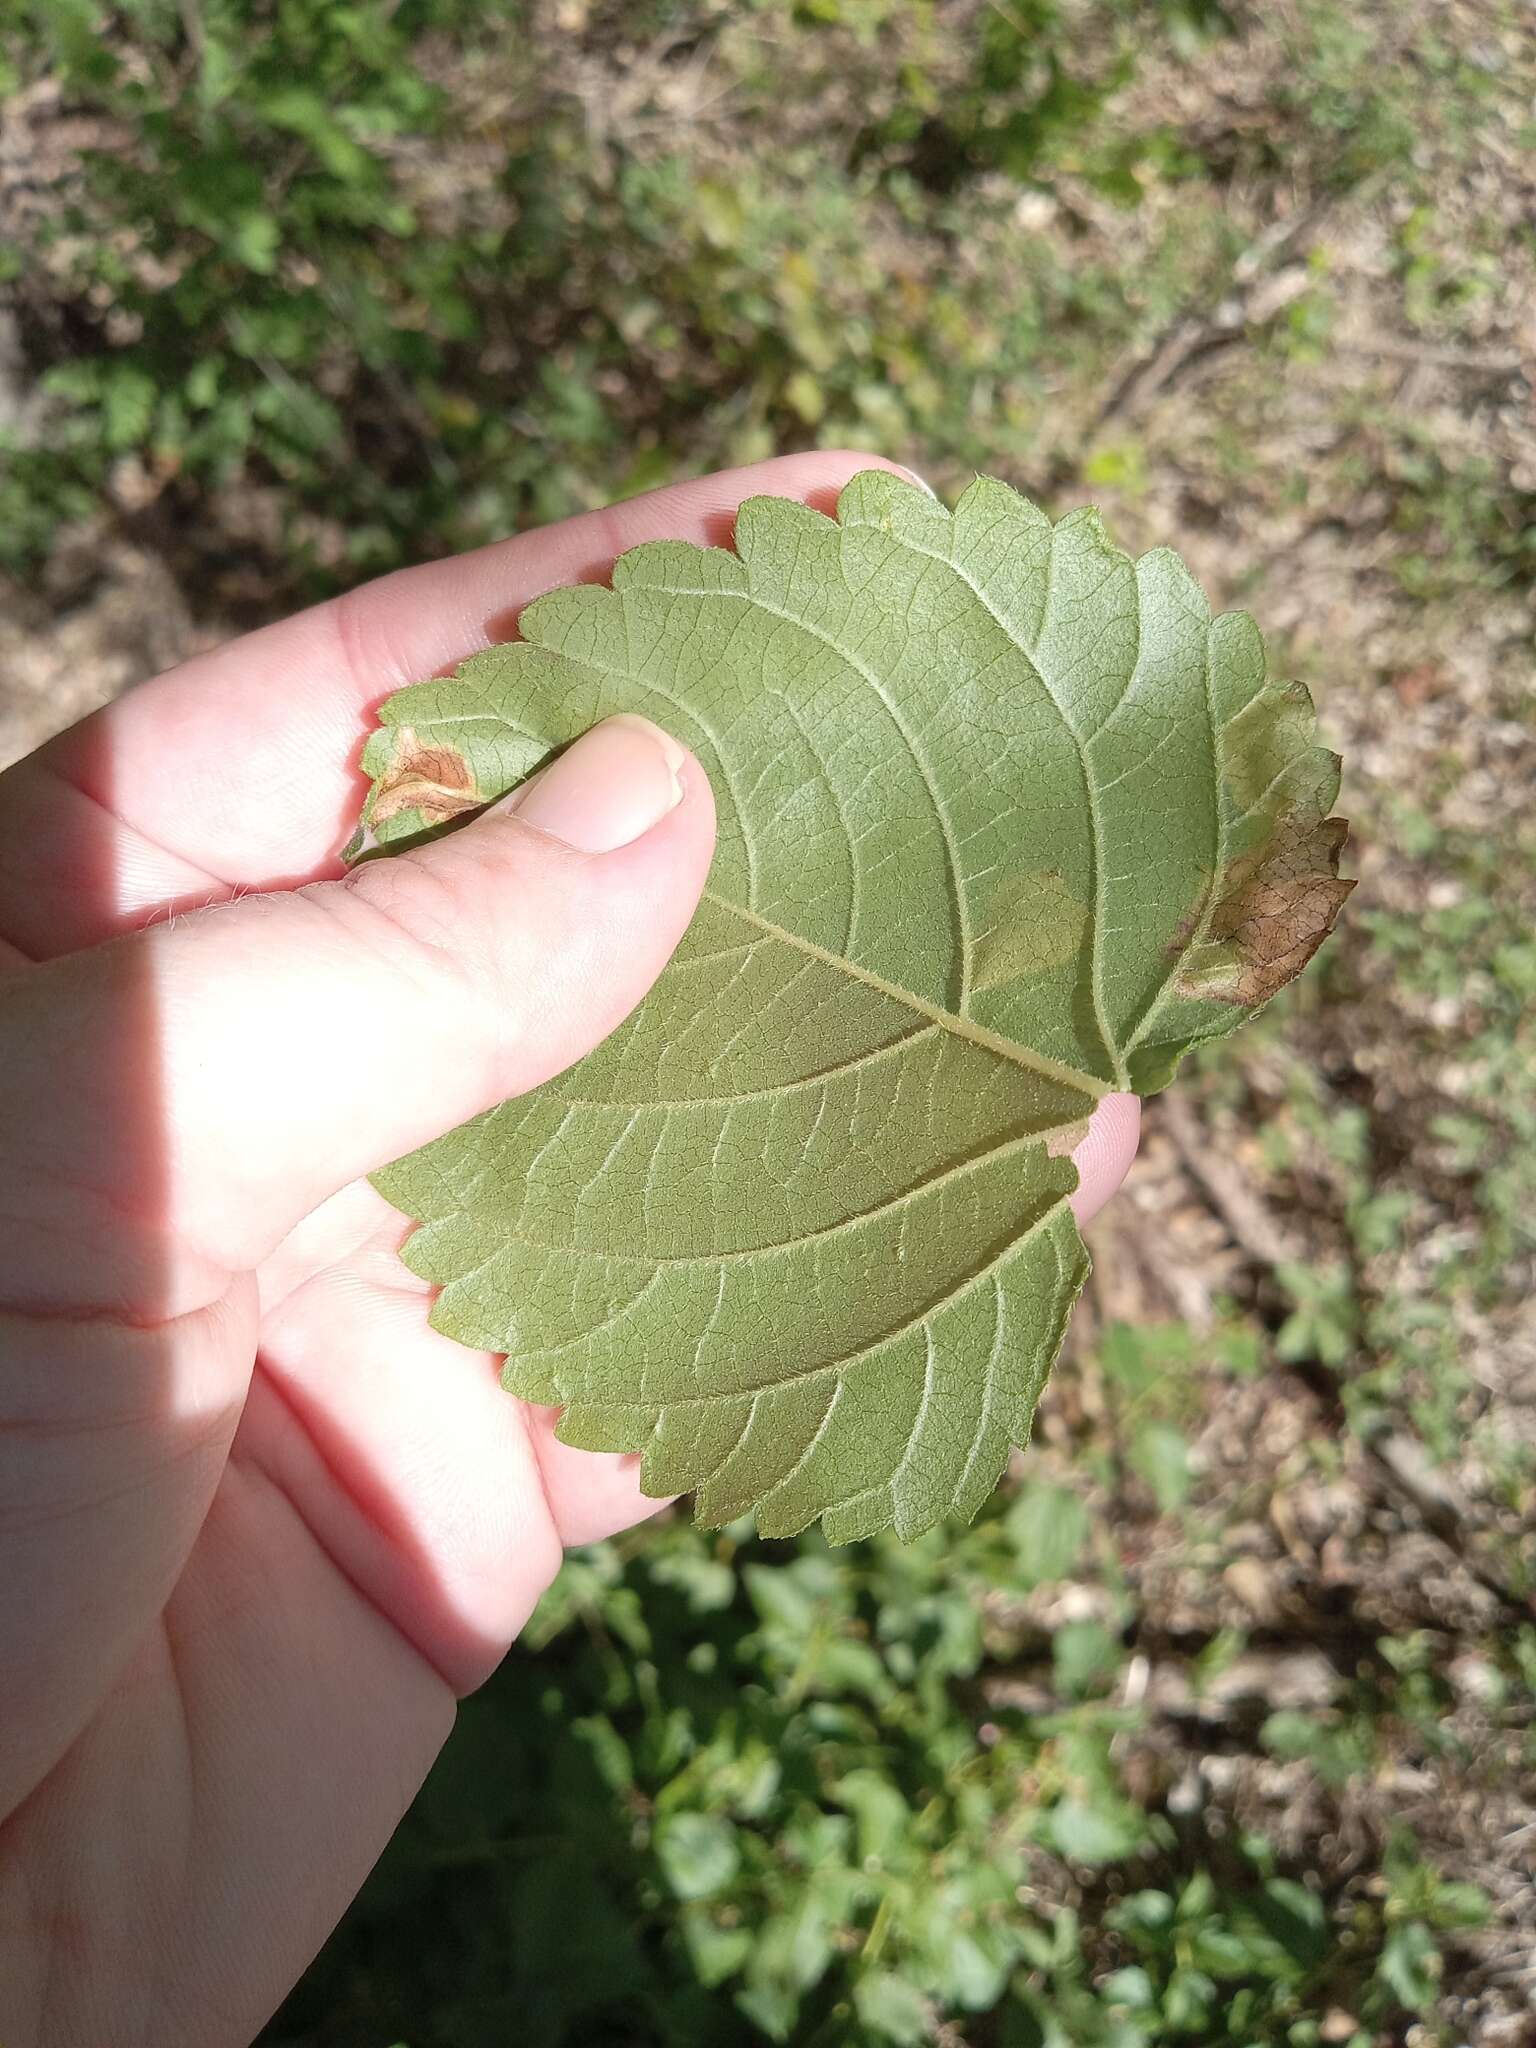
(1276, 907)
(434, 780)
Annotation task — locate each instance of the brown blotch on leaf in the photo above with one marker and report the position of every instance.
(435, 780)
(1276, 907)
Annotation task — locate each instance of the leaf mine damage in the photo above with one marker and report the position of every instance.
(1277, 907)
(432, 779)
(1273, 906)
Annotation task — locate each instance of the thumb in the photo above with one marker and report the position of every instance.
(298, 1040)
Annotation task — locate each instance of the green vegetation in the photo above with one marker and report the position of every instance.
(738, 1791)
(1218, 1725)
(428, 271)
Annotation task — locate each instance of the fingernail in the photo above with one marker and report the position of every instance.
(912, 477)
(607, 788)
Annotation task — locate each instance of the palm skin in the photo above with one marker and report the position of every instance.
(262, 1525)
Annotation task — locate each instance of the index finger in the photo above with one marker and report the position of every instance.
(239, 770)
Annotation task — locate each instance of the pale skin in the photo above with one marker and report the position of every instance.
(261, 1525)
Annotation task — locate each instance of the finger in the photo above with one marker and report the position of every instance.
(1104, 1157)
(407, 1461)
(112, 1440)
(174, 1102)
(440, 1497)
(221, 1075)
(185, 1859)
(592, 1494)
(335, 1233)
(239, 769)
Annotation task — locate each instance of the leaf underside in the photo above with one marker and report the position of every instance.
(1007, 820)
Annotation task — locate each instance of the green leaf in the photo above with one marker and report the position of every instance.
(1295, 1918)
(715, 1952)
(1088, 1834)
(1084, 1656)
(1048, 1527)
(698, 1852)
(1007, 820)
(1188, 2001)
(1129, 1987)
(128, 407)
(1148, 1913)
(1410, 1965)
(708, 1585)
(893, 2009)
(1160, 1453)
(882, 1814)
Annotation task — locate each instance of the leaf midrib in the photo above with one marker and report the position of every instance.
(963, 1027)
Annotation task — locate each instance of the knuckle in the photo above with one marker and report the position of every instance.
(413, 913)
(467, 912)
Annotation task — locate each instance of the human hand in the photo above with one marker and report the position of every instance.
(262, 1525)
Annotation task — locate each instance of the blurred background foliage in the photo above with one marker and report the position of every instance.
(1217, 1726)
(438, 268)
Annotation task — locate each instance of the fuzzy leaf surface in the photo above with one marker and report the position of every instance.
(1007, 820)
